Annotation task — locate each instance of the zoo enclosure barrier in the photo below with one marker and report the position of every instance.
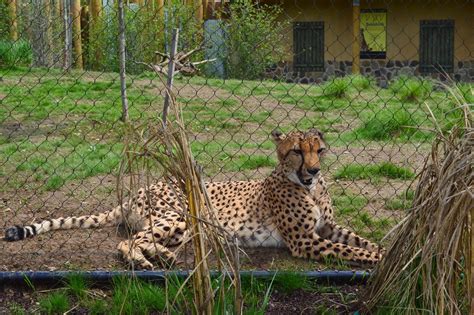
(362, 72)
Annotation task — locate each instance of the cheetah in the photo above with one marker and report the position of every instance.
(290, 208)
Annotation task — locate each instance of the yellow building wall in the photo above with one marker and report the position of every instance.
(403, 24)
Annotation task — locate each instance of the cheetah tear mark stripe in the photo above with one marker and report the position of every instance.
(17, 233)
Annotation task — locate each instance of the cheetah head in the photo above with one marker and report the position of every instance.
(299, 153)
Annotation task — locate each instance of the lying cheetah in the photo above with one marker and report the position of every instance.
(291, 208)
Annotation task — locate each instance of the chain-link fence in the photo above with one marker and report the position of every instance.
(371, 75)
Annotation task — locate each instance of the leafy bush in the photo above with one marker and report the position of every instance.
(13, 54)
(146, 32)
(254, 39)
(411, 88)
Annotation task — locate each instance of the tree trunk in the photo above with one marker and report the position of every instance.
(77, 37)
(122, 45)
(13, 20)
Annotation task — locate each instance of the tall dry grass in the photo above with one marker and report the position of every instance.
(154, 150)
(429, 264)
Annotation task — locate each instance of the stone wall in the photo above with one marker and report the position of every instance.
(382, 70)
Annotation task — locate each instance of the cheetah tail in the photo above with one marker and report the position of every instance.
(108, 218)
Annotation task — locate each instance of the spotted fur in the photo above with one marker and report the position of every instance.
(290, 208)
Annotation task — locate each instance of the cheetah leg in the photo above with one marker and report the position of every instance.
(133, 252)
(316, 247)
(338, 234)
(153, 243)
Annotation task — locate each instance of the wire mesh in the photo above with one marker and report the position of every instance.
(362, 72)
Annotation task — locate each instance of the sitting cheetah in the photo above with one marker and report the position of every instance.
(289, 208)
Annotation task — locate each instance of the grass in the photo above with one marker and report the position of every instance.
(350, 212)
(133, 296)
(360, 82)
(57, 161)
(16, 309)
(348, 204)
(15, 54)
(77, 286)
(69, 130)
(250, 162)
(403, 201)
(288, 282)
(137, 297)
(389, 123)
(374, 171)
(54, 303)
(336, 88)
(411, 89)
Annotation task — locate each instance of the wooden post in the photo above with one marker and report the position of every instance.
(76, 30)
(122, 45)
(355, 36)
(13, 20)
(171, 66)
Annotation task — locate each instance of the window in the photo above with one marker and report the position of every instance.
(436, 46)
(308, 46)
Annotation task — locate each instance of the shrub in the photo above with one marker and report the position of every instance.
(145, 33)
(411, 89)
(254, 39)
(13, 54)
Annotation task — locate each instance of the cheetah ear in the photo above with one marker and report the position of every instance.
(277, 136)
(317, 132)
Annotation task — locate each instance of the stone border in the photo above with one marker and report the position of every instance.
(382, 70)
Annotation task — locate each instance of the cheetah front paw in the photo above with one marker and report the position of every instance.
(145, 265)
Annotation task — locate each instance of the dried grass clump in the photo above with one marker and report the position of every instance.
(155, 149)
(428, 266)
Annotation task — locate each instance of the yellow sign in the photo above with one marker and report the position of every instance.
(373, 32)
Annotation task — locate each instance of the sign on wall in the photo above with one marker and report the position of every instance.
(373, 34)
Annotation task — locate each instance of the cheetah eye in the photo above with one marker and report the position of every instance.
(297, 151)
(321, 150)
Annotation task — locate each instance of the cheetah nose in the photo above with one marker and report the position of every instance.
(313, 171)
